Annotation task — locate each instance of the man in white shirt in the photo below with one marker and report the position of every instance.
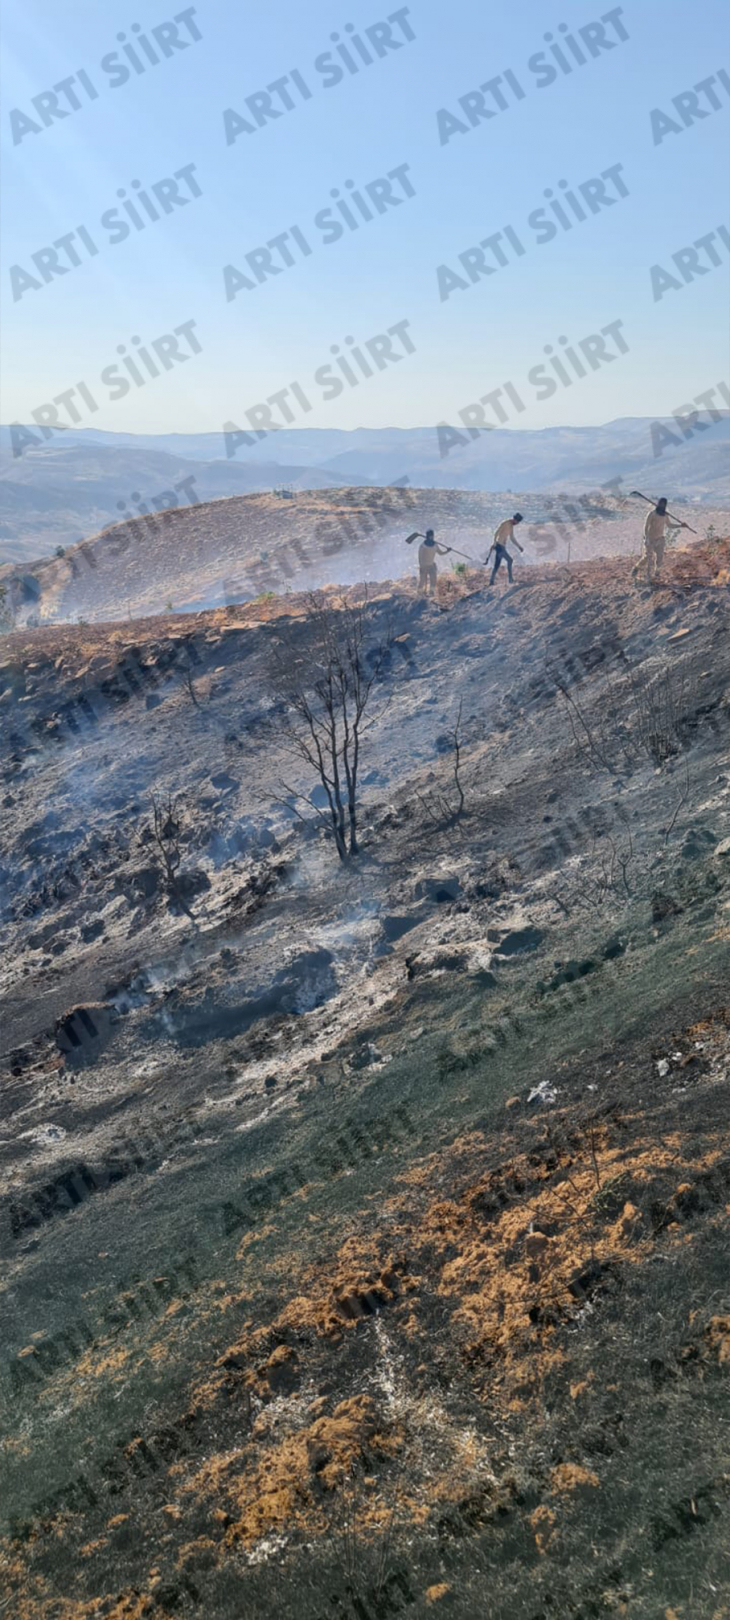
(427, 570)
(504, 536)
(656, 524)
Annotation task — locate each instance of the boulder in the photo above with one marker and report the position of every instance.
(520, 939)
(471, 958)
(192, 882)
(82, 1033)
(395, 927)
(442, 889)
(144, 882)
(699, 841)
(307, 981)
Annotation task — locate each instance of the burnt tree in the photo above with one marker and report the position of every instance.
(327, 673)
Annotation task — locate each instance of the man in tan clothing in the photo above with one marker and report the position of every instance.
(427, 570)
(656, 524)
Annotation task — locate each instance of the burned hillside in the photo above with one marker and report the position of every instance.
(365, 1220)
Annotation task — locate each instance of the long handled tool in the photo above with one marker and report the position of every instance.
(417, 536)
(639, 496)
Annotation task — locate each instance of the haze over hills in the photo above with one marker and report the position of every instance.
(60, 491)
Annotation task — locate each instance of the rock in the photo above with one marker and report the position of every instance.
(306, 982)
(192, 882)
(29, 588)
(699, 841)
(536, 1244)
(521, 939)
(365, 1056)
(83, 1032)
(443, 889)
(395, 927)
(152, 701)
(585, 1282)
(145, 881)
(224, 781)
(663, 906)
(282, 1371)
(470, 957)
(571, 971)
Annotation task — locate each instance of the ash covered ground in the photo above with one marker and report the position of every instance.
(366, 1224)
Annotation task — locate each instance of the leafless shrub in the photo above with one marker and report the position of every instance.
(374, 1586)
(187, 676)
(166, 832)
(328, 677)
(637, 715)
(610, 873)
(660, 710)
(681, 802)
(438, 808)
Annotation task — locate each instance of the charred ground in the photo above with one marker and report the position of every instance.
(367, 1235)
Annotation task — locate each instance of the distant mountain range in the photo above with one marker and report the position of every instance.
(70, 487)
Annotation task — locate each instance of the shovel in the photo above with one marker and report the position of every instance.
(640, 497)
(417, 536)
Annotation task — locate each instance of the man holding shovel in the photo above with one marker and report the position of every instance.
(656, 525)
(504, 535)
(427, 554)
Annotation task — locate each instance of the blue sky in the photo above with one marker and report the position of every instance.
(171, 115)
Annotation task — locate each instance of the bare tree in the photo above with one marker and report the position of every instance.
(166, 830)
(328, 677)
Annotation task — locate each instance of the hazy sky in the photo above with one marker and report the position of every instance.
(468, 186)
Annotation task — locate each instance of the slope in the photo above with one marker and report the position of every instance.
(216, 552)
(365, 1246)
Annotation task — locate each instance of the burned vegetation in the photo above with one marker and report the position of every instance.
(365, 1164)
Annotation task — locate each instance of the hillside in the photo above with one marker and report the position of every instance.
(218, 552)
(366, 1224)
(63, 490)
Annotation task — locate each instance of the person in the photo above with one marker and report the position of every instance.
(427, 570)
(656, 524)
(503, 536)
